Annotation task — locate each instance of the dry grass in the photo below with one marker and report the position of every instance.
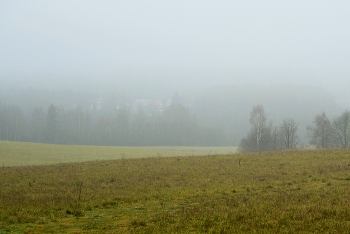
(282, 192)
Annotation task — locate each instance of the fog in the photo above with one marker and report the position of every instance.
(151, 49)
(96, 44)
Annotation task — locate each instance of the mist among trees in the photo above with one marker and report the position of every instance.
(216, 116)
(322, 133)
(120, 125)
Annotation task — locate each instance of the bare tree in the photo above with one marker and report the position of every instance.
(258, 121)
(288, 136)
(321, 131)
(275, 139)
(341, 129)
(259, 137)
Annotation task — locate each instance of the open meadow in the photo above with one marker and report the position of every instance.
(279, 192)
(24, 154)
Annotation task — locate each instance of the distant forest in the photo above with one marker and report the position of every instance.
(122, 125)
(217, 116)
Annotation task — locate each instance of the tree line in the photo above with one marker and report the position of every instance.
(120, 127)
(174, 126)
(219, 111)
(323, 132)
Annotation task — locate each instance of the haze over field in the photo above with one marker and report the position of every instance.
(156, 45)
(222, 58)
(228, 116)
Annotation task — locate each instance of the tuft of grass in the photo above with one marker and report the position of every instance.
(75, 209)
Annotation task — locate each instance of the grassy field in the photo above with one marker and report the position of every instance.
(22, 154)
(281, 192)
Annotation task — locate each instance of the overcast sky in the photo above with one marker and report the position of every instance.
(172, 44)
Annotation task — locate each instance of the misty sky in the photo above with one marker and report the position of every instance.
(173, 44)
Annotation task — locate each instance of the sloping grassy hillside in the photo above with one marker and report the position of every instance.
(281, 192)
(21, 154)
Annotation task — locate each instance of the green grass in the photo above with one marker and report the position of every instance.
(22, 154)
(280, 192)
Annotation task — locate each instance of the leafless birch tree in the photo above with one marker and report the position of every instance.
(258, 121)
(258, 139)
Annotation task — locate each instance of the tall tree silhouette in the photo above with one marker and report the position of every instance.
(51, 124)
